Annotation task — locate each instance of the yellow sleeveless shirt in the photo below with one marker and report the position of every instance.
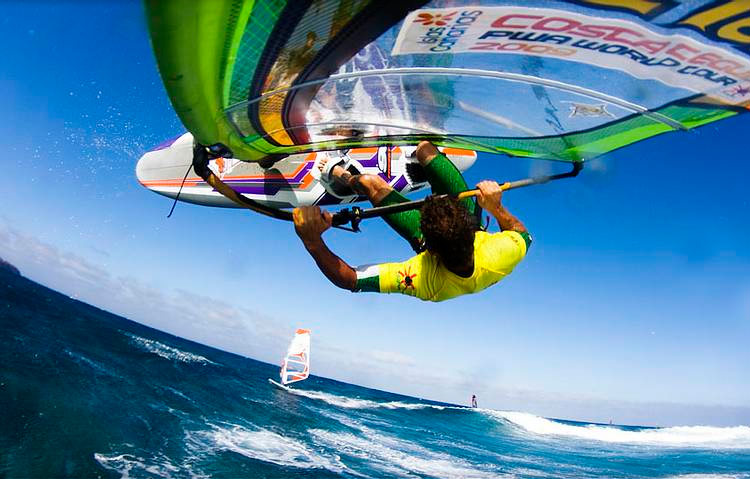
(425, 277)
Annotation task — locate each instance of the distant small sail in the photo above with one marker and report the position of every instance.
(296, 365)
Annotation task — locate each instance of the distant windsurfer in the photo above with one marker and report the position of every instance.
(454, 257)
(473, 400)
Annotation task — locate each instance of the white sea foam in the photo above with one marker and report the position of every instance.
(178, 393)
(710, 476)
(268, 446)
(167, 352)
(397, 457)
(737, 437)
(128, 465)
(81, 359)
(355, 403)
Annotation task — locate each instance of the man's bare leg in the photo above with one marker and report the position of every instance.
(372, 186)
(426, 152)
(379, 192)
(446, 178)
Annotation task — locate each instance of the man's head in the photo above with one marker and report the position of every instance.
(448, 230)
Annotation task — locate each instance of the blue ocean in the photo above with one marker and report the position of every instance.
(85, 393)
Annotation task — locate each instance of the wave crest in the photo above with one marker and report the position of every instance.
(127, 464)
(397, 457)
(737, 437)
(267, 446)
(356, 403)
(166, 352)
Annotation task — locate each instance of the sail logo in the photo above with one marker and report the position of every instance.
(448, 28)
(740, 90)
(439, 19)
(636, 48)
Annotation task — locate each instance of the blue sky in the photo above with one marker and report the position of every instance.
(633, 303)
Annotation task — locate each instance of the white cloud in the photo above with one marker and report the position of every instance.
(184, 313)
(391, 357)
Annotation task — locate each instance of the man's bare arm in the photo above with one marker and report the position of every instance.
(490, 198)
(335, 268)
(309, 224)
(506, 220)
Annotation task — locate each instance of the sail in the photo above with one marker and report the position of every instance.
(549, 79)
(296, 365)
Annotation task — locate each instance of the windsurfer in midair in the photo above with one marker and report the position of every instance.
(453, 256)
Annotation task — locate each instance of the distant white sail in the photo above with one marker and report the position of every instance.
(296, 365)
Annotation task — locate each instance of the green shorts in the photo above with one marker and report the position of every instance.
(444, 178)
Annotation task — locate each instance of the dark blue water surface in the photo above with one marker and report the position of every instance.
(85, 393)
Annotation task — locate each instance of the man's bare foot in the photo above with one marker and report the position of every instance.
(372, 186)
(338, 173)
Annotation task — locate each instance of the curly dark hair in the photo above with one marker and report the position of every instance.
(448, 229)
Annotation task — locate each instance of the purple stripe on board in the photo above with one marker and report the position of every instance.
(371, 162)
(257, 190)
(296, 179)
(166, 144)
(279, 185)
(400, 184)
(305, 169)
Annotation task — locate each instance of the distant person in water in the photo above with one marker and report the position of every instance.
(473, 400)
(454, 257)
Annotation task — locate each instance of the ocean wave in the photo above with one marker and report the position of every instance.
(166, 352)
(356, 403)
(710, 476)
(129, 465)
(178, 393)
(737, 437)
(397, 457)
(81, 359)
(267, 446)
